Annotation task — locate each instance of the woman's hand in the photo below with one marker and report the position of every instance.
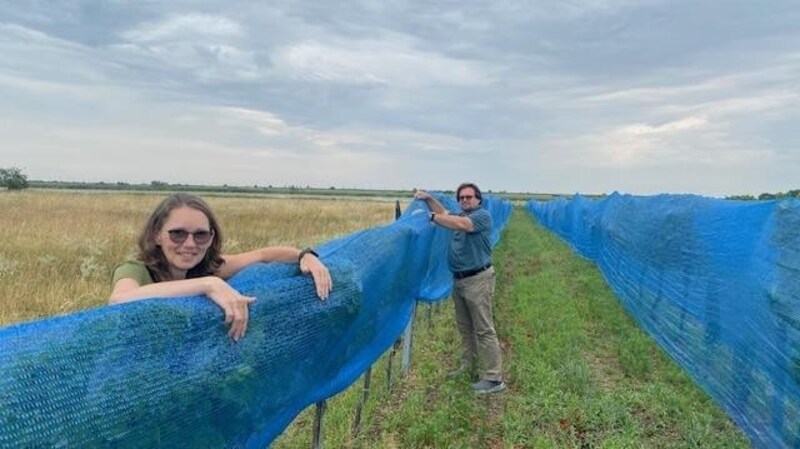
(235, 305)
(310, 264)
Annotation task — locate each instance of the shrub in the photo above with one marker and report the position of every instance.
(13, 179)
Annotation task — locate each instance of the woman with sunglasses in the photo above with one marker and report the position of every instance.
(180, 254)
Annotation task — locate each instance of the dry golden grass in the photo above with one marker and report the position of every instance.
(58, 248)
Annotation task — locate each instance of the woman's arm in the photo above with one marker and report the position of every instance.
(310, 264)
(234, 304)
(237, 262)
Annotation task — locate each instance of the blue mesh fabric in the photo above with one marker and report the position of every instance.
(715, 282)
(163, 374)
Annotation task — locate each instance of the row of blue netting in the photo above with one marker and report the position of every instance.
(163, 374)
(715, 282)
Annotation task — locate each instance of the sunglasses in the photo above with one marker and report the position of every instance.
(465, 197)
(200, 237)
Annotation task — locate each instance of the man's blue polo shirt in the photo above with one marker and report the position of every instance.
(471, 250)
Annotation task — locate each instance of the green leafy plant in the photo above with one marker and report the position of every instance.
(13, 178)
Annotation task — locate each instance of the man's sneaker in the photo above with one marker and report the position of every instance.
(488, 386)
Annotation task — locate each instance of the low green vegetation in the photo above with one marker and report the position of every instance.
(581, 374)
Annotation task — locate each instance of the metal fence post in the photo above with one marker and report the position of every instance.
(389, 364)
(363, 402)
(407, 335)
(318, 415)
(430, 311)
(409, 331)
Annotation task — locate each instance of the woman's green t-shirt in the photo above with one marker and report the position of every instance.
(132, 269)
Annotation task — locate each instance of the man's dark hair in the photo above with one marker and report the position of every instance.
(473, 187)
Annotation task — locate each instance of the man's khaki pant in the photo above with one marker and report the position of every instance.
(473, 297)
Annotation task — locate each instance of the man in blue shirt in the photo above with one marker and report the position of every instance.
(470, 259)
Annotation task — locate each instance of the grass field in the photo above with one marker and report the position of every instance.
(580, 373)
(59, 248)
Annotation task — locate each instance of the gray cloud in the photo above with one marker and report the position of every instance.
(591, 96)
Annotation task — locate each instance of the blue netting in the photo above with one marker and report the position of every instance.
(715, 282)
(163, 373)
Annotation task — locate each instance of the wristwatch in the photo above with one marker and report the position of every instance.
(305, 251)
(433, 215)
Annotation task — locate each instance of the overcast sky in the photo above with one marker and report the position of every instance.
(593, 96)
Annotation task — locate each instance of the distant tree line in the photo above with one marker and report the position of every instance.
(795, 193)
(163, 186)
